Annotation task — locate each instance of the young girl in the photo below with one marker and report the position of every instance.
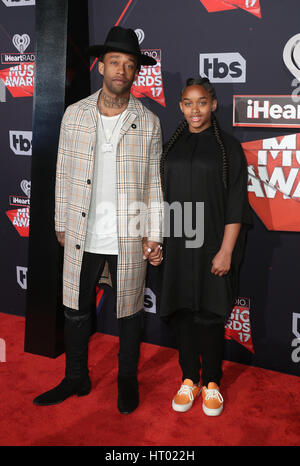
(202, 164)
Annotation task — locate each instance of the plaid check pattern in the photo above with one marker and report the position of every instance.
(137, 182)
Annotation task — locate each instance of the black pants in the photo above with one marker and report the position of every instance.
(78, 322)
(91, 270)
(205, 337)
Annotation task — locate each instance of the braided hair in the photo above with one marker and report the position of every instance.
(183, 125)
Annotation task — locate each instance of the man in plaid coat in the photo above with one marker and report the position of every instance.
(109, 154)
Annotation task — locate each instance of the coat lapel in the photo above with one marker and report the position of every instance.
(91, 103)
(133, 111)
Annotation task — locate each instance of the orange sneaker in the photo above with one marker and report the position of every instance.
(212, 400)
(184, 398)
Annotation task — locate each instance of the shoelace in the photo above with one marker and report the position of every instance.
(213, 393)
(186, 390)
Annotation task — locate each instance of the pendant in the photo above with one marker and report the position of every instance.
(106, 147)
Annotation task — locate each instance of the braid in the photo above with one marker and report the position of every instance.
(178, 132)
(205, 82)
(217, 133)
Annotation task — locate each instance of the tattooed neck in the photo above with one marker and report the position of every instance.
(113, 102)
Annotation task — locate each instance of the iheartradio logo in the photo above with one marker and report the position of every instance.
(19, 78)
(26, 186)
(291, 55)
(266, 110)
(21, 42)
(140, 35)
(21, 201)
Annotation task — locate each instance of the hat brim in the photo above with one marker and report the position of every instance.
(98, 50)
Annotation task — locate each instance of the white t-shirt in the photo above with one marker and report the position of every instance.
(102, 234)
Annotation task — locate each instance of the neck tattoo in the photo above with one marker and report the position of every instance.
(113, 102)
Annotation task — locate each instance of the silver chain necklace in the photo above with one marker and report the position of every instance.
(107, 146)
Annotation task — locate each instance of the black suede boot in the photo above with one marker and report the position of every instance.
(64, 390)
(77, 332)
(130, 336)
(128, 394)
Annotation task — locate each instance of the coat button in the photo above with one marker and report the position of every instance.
(88, 181)
(77, 246)
(133, 126)
(83, 214)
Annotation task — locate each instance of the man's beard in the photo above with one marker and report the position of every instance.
(117, 90)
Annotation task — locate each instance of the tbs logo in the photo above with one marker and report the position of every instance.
(22, 276)
(149, 301)
(296, 340)
(223, 67)
(20, 142)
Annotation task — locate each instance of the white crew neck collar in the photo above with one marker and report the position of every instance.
(114, 116)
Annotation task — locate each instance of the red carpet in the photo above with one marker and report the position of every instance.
(261, 407)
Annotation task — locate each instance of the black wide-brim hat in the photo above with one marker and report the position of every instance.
(122, 40)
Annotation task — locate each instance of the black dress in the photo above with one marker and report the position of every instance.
(193, 173)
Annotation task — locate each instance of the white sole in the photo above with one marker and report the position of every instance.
(212, 412)
(185, 407)
(182, 408)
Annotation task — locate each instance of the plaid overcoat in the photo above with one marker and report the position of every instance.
(137, 184)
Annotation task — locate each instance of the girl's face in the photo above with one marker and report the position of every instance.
(196, 104)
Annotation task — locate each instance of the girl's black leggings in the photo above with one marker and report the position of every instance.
(203, 337)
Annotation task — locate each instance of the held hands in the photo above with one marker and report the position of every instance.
(221, 263)
(152, 251)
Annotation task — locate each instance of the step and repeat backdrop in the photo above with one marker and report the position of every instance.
(17, 51)
(250, 50)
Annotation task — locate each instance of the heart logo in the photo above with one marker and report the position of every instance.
(21, 42)
(25, 186)
(140, 35)
(291, 55)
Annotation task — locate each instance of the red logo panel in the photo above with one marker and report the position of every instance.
(149, 81)
(274, 181)
(252, 6)
(20, 220)
(19, 79)
(238, 326)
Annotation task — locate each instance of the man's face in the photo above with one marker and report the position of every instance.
(119, 71)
